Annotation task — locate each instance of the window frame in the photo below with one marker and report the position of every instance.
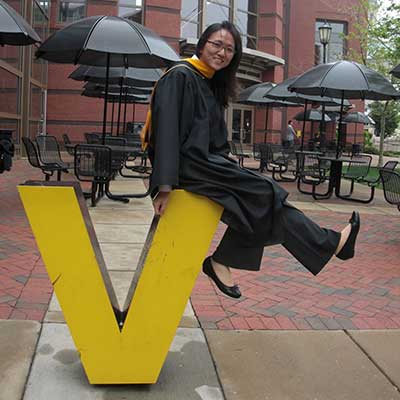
(141, 8)
(59, 21)
(317, 43)
(199, 23)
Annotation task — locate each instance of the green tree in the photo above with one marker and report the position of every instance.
(391, 115)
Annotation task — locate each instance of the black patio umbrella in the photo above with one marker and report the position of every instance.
(14, 30)
(115, 98)
(345, 80)
(357, 117)
(312, 115)
(107, 41)
(281, 91)
(123, 92)
(139, 77)
(114, 88)
(254, 95)
(396, 71)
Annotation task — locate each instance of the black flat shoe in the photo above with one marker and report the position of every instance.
(347, 250)
(232, 291)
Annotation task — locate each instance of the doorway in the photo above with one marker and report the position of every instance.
(240, 123)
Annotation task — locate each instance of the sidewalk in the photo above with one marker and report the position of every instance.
(334, 336)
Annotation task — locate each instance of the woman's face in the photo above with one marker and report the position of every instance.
(219, 50)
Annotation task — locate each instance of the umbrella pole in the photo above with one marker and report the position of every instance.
(266, 124)
(126, 96)
(106, 99)
(340, 126)
(112, 118)
(119, 105)
(304, 125)
(355, 133)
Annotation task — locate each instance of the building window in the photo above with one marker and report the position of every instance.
(336, 48)
(45, 6)
(70, 11)
(246, 21)
(131, 9)
(218, 11)
(190, 19)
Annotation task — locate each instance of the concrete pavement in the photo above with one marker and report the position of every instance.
(269, 357)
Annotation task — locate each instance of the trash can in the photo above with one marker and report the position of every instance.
(355, 149)
(6, 150)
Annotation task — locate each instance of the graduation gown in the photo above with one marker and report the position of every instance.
(189, 150)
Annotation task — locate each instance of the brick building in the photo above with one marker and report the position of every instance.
(280, 39)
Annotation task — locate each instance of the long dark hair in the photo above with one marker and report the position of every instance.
(224, 82)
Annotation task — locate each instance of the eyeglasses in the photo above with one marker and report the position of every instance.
(218, 46)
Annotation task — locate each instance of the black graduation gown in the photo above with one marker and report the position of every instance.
(189, 150)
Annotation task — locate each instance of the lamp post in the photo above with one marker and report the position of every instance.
(324, 31)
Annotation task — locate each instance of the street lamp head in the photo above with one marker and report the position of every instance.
(325, 31)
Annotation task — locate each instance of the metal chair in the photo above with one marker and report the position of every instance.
(49, 152)
(33, 159)
(358, 168)
(237, 151)
(118, 158)
(373, 182)
(310, 171)
(92, 138)
(93, 163)
(391, 186)
(67, 141)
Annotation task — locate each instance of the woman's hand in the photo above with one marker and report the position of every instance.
(160, 202)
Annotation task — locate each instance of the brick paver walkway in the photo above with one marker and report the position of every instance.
(363, 293)
(25, 289)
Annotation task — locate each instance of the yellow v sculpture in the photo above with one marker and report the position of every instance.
(129, 345)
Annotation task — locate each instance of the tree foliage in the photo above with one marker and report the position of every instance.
(374, 37)
(391, 115)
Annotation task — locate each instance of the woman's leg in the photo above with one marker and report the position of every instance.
(310, 244)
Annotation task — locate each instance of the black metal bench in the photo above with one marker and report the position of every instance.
(391, 186)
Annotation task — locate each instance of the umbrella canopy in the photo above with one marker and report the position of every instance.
(255, 93)
(396, 71)
(107, 40)
(139, 77)
(113, 97)
(14, 30)
(311, 115)
(281, 91)
(357, 118)
(345, 79)
(116, 88)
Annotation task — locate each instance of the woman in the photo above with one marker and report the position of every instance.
(188, 148)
